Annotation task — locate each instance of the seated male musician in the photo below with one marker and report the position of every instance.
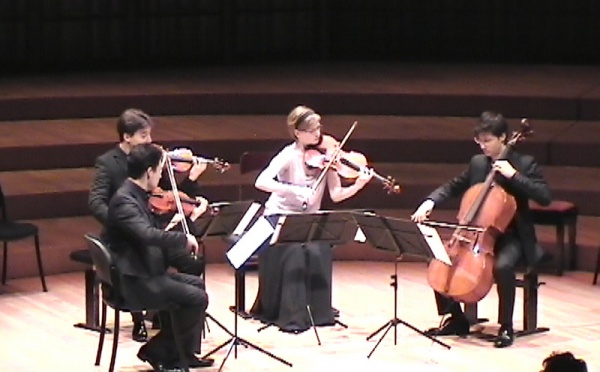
(520, 176)
(134, 127)
(139, 246)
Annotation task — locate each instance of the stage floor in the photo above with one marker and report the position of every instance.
(38, 334)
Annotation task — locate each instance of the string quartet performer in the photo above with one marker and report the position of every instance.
(519, 176)
(138, 245)
(134, 127)
(282, 296)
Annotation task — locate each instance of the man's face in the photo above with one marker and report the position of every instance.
(490, 145)
(154, 176)
(139, 137)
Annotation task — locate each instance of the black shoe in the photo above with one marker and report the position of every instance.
(139, 332)
(157, 364)
(451, 326)
(505, 338)
(200, 363)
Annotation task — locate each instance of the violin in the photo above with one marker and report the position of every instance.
(183, 159)
(490, 208)
(347, 164)
(163, 202)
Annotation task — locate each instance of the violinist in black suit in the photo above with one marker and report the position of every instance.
(139, 246)
(520, 176)
(134, 127)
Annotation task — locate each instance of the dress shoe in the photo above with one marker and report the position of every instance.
(451, 326)
(139, 332)
(505, 338)
(200, 363)
(157, 364)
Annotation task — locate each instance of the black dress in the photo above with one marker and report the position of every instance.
(290, 277)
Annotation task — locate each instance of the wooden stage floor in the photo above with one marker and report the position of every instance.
(37, 332)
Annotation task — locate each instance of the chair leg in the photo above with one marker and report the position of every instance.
(597, 269)
(113, 356)
(39, 262)
(102, 333)
(5, 253)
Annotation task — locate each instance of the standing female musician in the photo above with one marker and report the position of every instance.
(519, 176)
(282, 295)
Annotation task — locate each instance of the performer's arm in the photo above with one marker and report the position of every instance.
(129, 217)
(268, 180)
(339, 193)
(99, 192)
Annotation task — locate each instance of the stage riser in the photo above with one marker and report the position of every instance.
(43, 108)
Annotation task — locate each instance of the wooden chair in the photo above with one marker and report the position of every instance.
(529, 283)
(560, 214)
(11, 231)
(108, 275)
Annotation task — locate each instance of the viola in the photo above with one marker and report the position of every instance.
(183, 159)
(163, 202)
(486, 210)
(347, 164)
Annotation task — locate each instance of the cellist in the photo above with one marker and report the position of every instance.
(520, 176)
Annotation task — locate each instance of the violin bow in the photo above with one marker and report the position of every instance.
(173, 182)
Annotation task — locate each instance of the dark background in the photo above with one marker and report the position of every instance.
(72, 35)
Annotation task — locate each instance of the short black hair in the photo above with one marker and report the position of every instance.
(560, 362)
(132, 120)
(493, 123)
(141, 157)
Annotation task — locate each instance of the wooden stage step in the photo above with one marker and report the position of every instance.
(70, 143)
(535, 91)
(64, 192)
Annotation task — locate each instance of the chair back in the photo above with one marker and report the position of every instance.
(253, 160)
(105, 268)
(2, 206)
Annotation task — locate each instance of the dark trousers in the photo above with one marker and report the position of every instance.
(185, 291)
(507, 254)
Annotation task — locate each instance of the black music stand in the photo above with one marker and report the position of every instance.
(232, 220)
(401, 237)
(332, 227)
(224, 220)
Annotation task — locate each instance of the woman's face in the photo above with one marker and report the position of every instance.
(310, 134)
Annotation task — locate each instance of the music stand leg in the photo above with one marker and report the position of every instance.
(395, 321)
(235, 340)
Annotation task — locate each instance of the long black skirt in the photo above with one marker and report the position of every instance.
(290, 277)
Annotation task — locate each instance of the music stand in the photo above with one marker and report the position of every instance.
(225, 220)
(332, 227)
(234, 219)
(401, 237)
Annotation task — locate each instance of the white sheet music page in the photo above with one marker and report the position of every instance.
(249, 242)
(435, 243)
(245, 221)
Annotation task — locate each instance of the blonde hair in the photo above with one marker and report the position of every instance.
(299, 118)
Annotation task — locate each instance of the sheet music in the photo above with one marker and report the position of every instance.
(245, 221)
(435, 243)
(249, 242)
(360, 236)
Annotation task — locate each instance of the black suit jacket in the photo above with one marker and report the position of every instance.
(133, 236)
(111, 171)
(528, 183)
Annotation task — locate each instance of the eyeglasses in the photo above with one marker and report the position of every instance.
(312, 130)
(484, 141)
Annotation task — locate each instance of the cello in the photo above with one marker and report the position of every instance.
(486, 210)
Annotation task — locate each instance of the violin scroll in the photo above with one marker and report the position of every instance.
(183, 160)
